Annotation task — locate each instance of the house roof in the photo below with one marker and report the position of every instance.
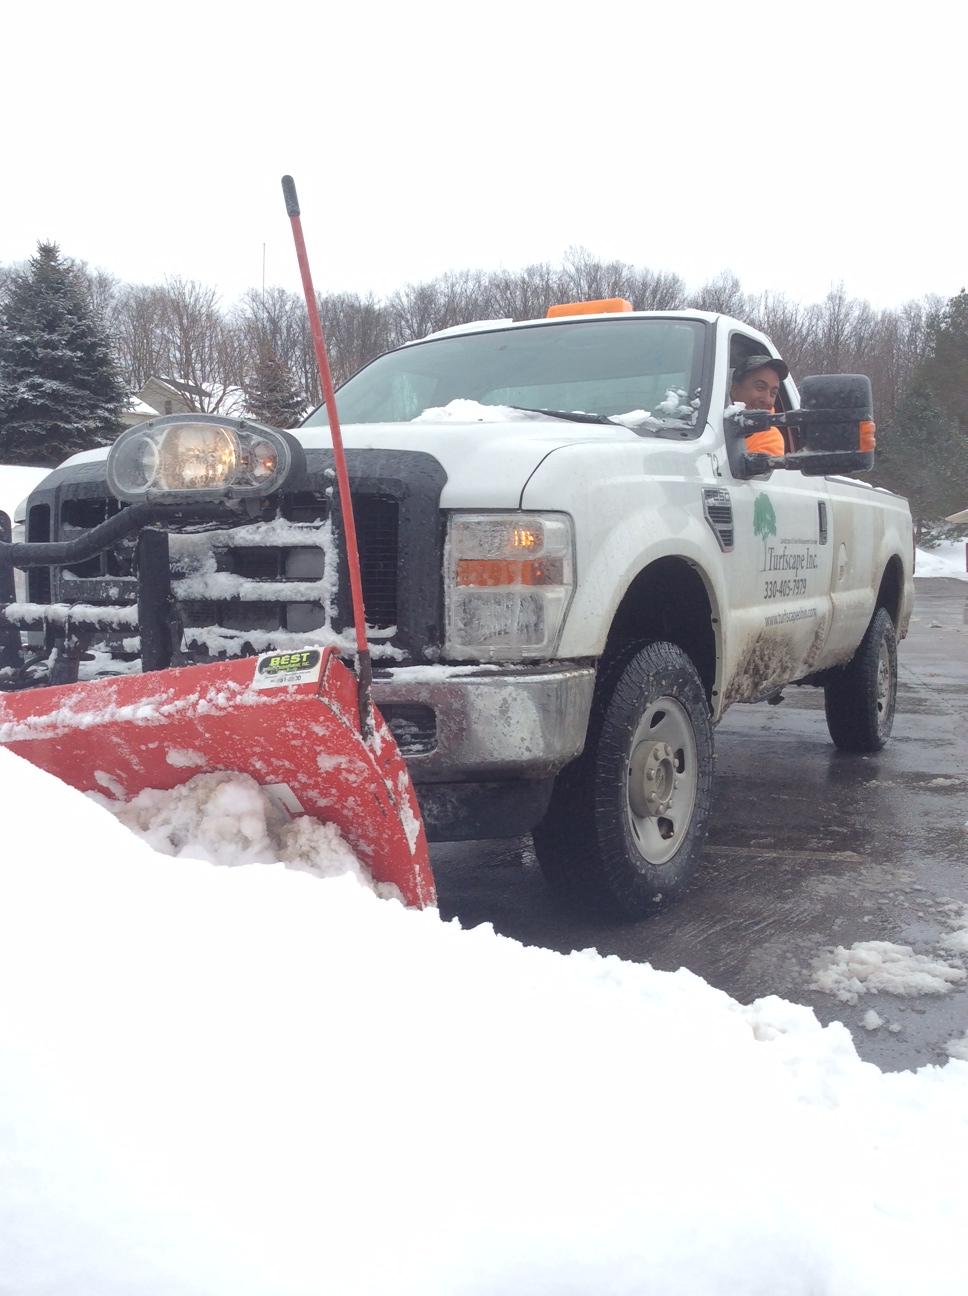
(178, 385)
(137, 406)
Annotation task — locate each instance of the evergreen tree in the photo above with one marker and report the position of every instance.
(924, 455)
(923, 452)
(272, 395)
(59, 388)
(945, 372)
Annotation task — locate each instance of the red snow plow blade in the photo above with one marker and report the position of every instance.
(290, 720)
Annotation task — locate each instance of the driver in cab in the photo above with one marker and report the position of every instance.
(756, 383)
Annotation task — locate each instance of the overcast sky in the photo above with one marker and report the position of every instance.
(798, 144)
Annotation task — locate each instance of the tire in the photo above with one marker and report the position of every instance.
(859, 699)
(627, 820)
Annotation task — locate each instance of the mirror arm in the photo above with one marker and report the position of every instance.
(757, 463)
(812, 462)
(760, 420)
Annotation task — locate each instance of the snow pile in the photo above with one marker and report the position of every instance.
(254, 1081)
(946, 559)
(870, 967)
(957, 940)
(225, 818)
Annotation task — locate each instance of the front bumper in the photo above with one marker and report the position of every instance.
(505, 723)
(483, 745)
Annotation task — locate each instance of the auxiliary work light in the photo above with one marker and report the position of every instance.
(201, 456)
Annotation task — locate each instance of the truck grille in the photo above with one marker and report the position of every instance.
(377, 526)
(263, 581)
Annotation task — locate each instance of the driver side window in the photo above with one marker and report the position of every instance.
(741, 347)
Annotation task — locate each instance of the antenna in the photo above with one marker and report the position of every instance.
(263, 274)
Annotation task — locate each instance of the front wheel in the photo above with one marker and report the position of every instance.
(627, 820)
(859, 699)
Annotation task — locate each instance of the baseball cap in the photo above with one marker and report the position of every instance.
(749, 363)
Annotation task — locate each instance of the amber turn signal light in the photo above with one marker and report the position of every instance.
(491, 573)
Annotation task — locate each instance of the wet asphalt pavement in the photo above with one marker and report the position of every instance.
(808, 848)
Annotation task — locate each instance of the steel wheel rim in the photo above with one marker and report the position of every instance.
(662, 780)
(884, 685)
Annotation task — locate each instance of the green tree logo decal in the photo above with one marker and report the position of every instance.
(764, 521)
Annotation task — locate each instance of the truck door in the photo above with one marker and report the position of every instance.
(781, 574)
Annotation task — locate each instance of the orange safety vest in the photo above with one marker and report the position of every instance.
(770, 442)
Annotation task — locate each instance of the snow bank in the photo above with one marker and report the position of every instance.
(252, 1080)
(947, 559)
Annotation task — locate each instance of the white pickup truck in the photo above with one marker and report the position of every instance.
(571, 566)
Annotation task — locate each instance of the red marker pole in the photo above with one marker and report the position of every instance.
(364, 669)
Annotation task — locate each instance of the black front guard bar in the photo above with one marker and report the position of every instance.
(70, 638)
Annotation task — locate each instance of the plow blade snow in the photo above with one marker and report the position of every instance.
(290, 720)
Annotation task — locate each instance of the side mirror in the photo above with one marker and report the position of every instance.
(835, 426)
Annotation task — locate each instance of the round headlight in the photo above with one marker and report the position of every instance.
(197, 456)
(263, 460)
(133, 464)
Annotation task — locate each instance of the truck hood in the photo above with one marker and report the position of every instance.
(487, 464)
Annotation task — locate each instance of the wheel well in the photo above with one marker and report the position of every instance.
(889, 593)
(668, 600)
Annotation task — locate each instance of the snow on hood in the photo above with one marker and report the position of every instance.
(259, 1081)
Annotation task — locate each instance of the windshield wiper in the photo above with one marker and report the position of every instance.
(573, 416)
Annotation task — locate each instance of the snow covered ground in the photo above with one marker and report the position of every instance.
(948, 559)
(252, 1079)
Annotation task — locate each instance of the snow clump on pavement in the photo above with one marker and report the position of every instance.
(870, 967)
(957, 941)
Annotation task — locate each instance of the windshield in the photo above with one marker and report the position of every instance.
(650, 367)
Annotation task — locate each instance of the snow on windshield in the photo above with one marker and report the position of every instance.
(471, 411)
(672, 406)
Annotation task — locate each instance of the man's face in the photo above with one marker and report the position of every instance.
(758, 389)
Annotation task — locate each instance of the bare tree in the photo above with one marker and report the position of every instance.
(202, 349)
(724, 295)
(356, 330)
(136, 327)
(180, 331)
(526, 294)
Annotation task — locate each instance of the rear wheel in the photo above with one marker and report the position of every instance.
(627, 820)
(859, 699)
